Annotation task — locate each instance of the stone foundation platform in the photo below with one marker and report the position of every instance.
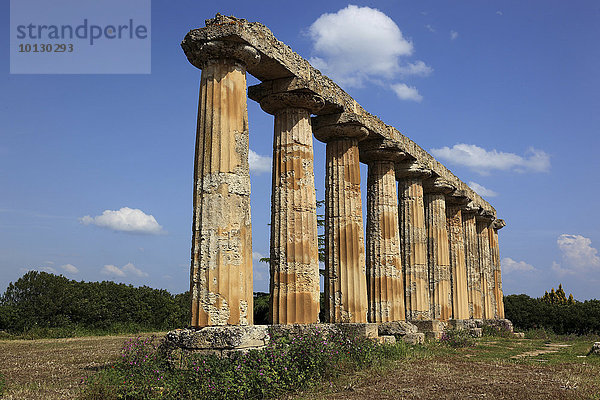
(225, 340)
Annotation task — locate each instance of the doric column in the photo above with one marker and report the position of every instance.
(497, 274)
(385, 285)
(458, 266)
(221, 268)
(294, 260)
(485, 260)
(438, 252)
(413, 240)
(472, 263)
(345, 279)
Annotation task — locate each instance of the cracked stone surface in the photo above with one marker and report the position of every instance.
(473, 266)
(413, 237)
(345, 272)
(458, 267)
(385, 286)
(438, 256)
(221, 267)
(485, 262)
(294, 285)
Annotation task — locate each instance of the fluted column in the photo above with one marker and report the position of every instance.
(413, 241)
(385, 285)
(294, 260)
(485, 260)
(221, 267)
(472, 263)
(345, 279)
(438, 252)
(458, 266)
(497, 274)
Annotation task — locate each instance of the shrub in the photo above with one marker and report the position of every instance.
(457, 338)
(496, 331)
(289, 362)
(2, 385)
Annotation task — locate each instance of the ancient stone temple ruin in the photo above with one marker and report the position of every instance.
(430, 252)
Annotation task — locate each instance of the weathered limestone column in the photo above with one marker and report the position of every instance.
(438, 252)
(485, 260)
(385, 285)
(413, 240)
(221, 268)
(472, 263)
(294, 285)
(495, 253)
(458, 266)
(345, 279)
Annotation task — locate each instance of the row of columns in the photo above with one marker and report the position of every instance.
(428, 254)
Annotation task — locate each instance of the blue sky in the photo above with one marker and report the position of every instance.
(96, 170)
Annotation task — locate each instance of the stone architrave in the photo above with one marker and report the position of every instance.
(458, 266)
(497, 273)
(385, 284)
(221, 267)
(294, 260)
(472, 263)
(438, 251)
(413, 240)
(485, 260)
(345, 274)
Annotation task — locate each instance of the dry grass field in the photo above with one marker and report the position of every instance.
(54, 368)
(497, 368)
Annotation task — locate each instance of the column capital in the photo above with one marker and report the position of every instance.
(438, 185)
(411, 169)
(275, 102)
(200, 53)
(458, 198)
(346, 125)
(498, 224)
(485, 216)
(380, 150)
(471, 208)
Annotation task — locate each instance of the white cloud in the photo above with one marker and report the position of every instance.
(509, 265)
(499, 12)
(453, 35)
(70, 268)
(126, 219)
(578, 252)
(258, 163)
(256, 256)
(112, 270)
(560, 271)
(50, 270)
(127, 270)
(418, 68)
(357, 43)
(430, 28)
(482, 161)
(405, 92)
(482, 190)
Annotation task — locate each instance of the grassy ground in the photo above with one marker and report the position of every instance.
(496, 367)
(54, 368)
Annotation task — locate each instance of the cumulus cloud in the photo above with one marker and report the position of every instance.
(577, 251)
(256, 256)
(482, 190)
(258, 163)
(560, 271)
(418, 68)
(430, 28)
(127, 270)
(453, 35)
(131, 220)
(499, 12)
(483, 161)
(357, 42)
(360, 44)
(509, 265)
(405, 92)
(70, 268)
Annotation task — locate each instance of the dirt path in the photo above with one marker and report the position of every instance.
(550, 348)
